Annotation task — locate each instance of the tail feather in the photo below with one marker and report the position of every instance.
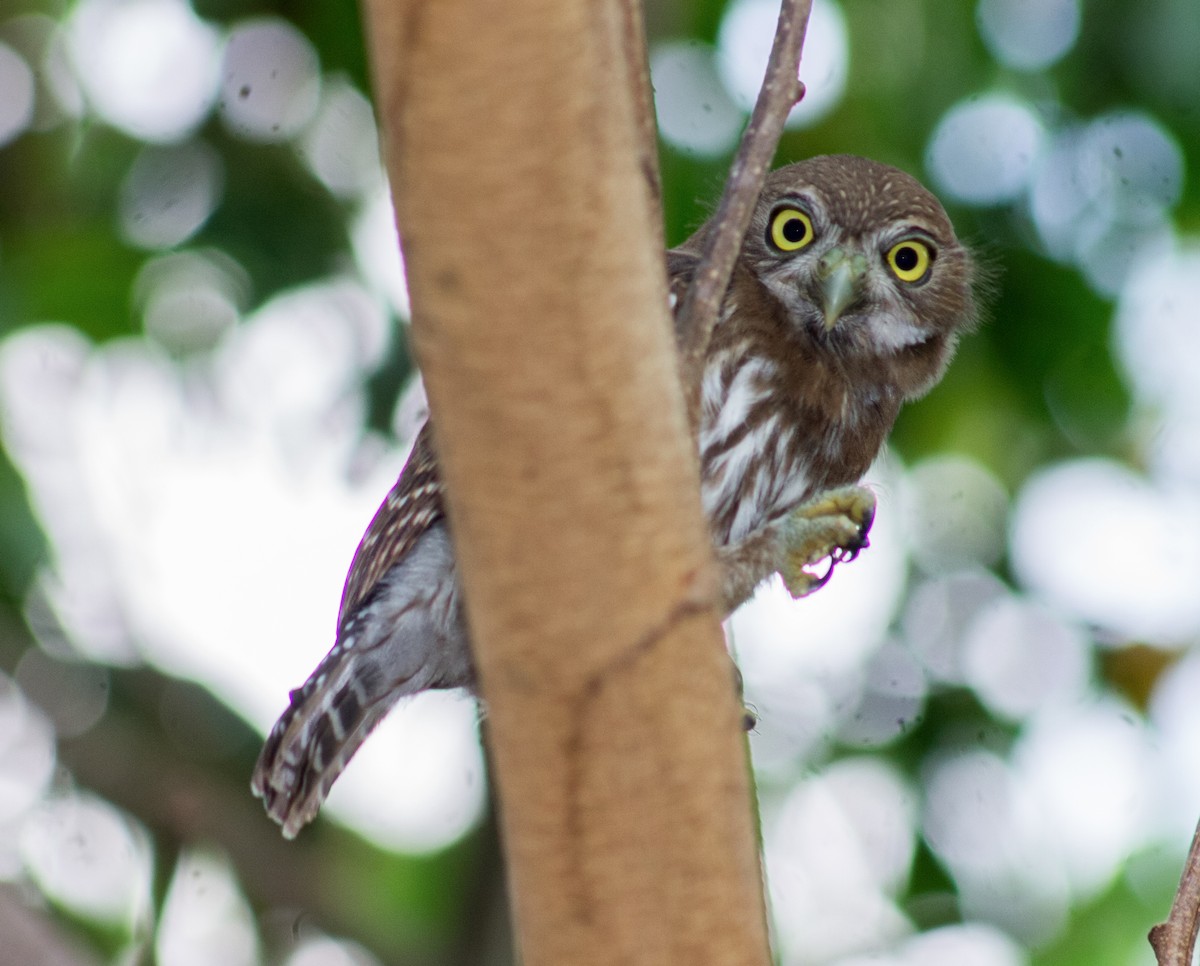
(405, 637)
(326, 722)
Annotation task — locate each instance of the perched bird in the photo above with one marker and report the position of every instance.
(847, 298)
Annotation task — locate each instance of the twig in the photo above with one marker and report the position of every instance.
(1175, 940)
(780, 92)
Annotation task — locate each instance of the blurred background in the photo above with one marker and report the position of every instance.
(980, 744)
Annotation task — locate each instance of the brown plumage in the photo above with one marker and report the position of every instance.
(847, 298)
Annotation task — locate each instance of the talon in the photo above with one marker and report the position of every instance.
(801, 582)
(833, 526)
(822, 581)
(850, 554)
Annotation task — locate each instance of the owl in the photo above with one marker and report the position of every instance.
(848, 296)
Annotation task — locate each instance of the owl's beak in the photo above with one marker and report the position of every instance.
(841, 275)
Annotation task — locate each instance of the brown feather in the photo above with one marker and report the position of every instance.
(411, 507)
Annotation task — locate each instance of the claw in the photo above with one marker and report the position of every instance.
(833, 526)
(801, 582)
(848, 554)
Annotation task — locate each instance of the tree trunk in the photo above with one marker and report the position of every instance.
(526, 197)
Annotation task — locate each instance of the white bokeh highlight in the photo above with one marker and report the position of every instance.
(84, 853)
(1028, 35)
(838, 849)
(1111, 548)
(983, 150)
(890, 701)
(377, 250)
(962, 944)
(1020, 657)
(341, 145)
(1101, 196)
(209, 514)
(169, 193)
(1135, 163)
(744, 47)
(695, 113)
(1157, 338)
(17, 102)
(326, 951)
(190, 299)
(936, 617)
(27, 759)
(1174, 714)
(205, 917)
(26, 752)
(954, 511)
(984, 825)
(1087, 768)
(1157, 345)
(148, 67)
(270, 80)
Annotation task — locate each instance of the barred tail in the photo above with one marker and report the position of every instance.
(330, 715)
(407, 636)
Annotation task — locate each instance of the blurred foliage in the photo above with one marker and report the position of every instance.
(1036, 382)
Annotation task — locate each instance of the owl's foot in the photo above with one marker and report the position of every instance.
(834, 526)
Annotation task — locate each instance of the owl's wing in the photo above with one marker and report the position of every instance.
(412, 506)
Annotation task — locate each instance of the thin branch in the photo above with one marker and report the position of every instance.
(780, 92)
(1175, 940)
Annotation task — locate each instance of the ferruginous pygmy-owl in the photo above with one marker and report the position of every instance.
(847, 298)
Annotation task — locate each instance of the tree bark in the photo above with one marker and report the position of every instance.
(526, 199)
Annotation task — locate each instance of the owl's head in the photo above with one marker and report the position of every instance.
(863, 260)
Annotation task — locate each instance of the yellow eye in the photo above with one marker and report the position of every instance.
(791, 230)
(909, 260)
